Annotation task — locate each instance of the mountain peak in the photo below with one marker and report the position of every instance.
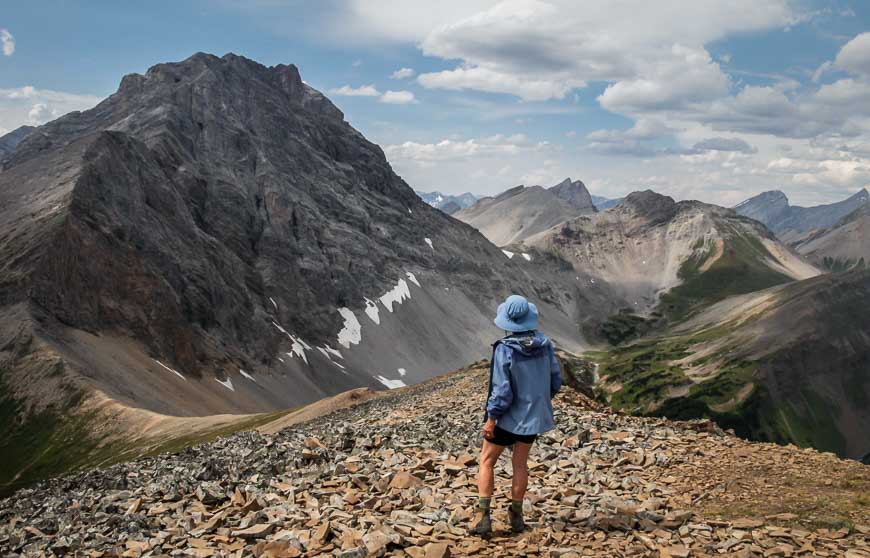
(575, 193)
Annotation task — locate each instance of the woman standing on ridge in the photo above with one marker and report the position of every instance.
(524, 377)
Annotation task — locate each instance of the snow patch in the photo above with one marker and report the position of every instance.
(397, 295)
(281, 359)
(176, 372)
(429, 242)
(402, 372)
(275, 304)
(351, 333)
(298, 349)
(390, 384)
(372, 311)
(412, 278)
(327, 350)
(246, 375)
(227, 384)
(508, 253)
(527, 257)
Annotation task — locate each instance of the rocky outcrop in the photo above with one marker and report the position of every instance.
(790, 222)
(395, 476)
(521, 212)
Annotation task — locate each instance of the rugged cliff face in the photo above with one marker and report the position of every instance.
(215, 238)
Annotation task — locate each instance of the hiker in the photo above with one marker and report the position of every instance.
(524, 377)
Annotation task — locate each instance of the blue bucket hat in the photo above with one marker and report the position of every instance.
(516, 314)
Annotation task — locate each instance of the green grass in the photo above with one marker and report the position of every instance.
(646, 373)
(740, 269)
(625, 326)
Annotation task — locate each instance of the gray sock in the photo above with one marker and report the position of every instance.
(483, 504)
(517, 506)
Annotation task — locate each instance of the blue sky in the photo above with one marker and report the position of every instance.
(710, 100)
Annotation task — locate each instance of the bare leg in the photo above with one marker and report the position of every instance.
(489, 455)
(520, 479)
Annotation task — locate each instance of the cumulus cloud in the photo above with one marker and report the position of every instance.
(532, 49)
(28, 105)
(854, 57)
(398, 98)
(7, 42)
(402, 73)
(361, 91)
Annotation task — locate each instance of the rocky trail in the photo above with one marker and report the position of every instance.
(394, 476)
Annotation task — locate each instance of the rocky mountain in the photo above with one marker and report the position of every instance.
(214, 238)
(394, 476)
(9, 141)
(521, 212)
(448, 203)
(789, 364)
(790, 222)
(846, 245)
(671, 258)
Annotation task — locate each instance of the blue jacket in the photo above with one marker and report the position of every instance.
(525, 377)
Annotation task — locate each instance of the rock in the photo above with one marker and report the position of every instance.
(403, 480)
(437, 550)
(255, 532)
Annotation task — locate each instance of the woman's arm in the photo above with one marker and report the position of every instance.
(501, 397)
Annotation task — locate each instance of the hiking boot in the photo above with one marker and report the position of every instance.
(516, 521)
(481, 524)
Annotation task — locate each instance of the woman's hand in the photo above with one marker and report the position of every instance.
(489, 429)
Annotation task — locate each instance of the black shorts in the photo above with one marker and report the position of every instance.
(505, 438)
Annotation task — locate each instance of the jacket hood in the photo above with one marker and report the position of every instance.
(527, 344)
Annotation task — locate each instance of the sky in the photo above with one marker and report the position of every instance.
(709, 100)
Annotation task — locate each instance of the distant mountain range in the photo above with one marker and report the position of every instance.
(448, 203)
(790, 222)
(522, 212)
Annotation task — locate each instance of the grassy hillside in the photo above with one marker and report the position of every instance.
(60, 439)
(743, 267)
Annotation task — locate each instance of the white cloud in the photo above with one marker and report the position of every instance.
(398, 98)
(491, 81)
(361, 91)
(7, 42)
(451, 149)
(681, 78)
(533, 49)
(402, 73)
(28, 105)
(855, 55)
